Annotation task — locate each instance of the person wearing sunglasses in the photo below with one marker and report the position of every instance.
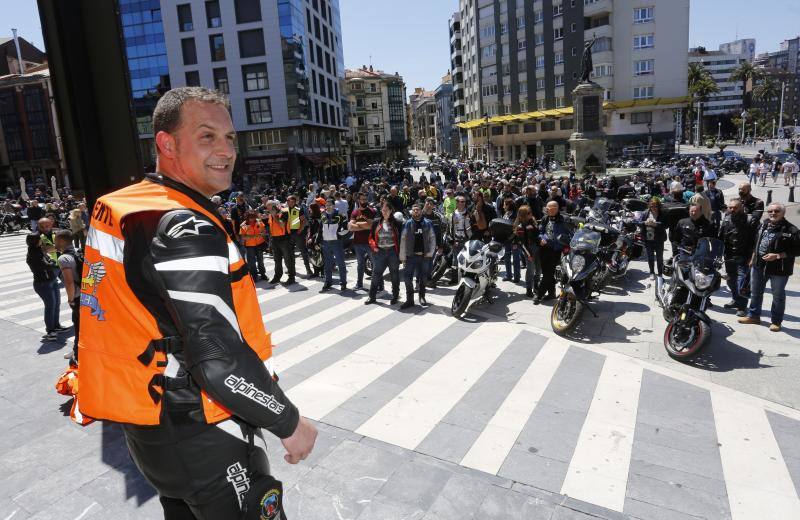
(777, 245)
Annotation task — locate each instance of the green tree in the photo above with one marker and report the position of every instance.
(745, 72)
(701, 86)
(767, 89)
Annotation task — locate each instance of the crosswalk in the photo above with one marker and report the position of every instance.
(515, 401)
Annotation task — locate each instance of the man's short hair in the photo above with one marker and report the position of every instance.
(63, 234)
(167, 114)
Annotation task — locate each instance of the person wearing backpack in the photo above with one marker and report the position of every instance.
(71, 264)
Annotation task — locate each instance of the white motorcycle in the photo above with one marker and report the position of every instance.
(477, 267)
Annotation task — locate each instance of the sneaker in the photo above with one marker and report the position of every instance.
(774, 327)
(275, 279)
(290, 280)
(60, 328)
(50, 336)
(537, 300)
(369, 301)
(529, 293)
(264, 278)
(730, 305)
(750, 320)
(407, 304)
(741, 313)
(394, 300)
(359, 286)
(423, 301)
(653, 276)
(325, 287)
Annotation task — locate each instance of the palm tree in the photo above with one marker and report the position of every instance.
(701, 85)
(745, 72)
(767, 90)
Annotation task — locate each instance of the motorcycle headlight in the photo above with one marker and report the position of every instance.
(477, 264)
(461, 260)
(578, 263)
(703, 281)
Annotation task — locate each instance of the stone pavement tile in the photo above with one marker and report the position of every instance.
(374, 396)
(74, 505)
(649, 459)
(506, 504)
(54, 450)
(672, 493)
(14, 483)
(581, 507)
(448, 442)
(123, 485)
(11, 511)
(415, 483)
(309, 502)
(459, 499)
(354, 489)
(390, 510)
(534, 470)
(646, 511)
(359, 459)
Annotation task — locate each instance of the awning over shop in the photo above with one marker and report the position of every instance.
(316, 159)
(567, 111)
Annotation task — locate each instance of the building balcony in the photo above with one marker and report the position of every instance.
(601, 31)
(597, 7)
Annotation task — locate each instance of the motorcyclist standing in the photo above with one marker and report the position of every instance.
(691, 229)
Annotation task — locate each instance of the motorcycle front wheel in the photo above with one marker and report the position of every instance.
(461, 300)
(565, 314)
(368, 265)
(440, 265)
(684, 341)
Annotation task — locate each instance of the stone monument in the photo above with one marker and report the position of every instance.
(588, 143)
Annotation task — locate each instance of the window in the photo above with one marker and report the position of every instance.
(602, 44)
(522, 65)
(503, 27)
(529, 128)
(254, 77)
(189, 51)
(247, 11)
(487, 32)
(192, 78)
(573, 27)
(643, 41)
(506, 88)
(643, 14)
(213, 16)
(641, 118)
(251, 43)
(643, 67)
(558, 33)
(523, 86)
(376, 140)
(643, 92)
(488, 51)
(540, 105)
(221, 80)
(485, 12)
(185, 18)
(497, 130)
(322, 90)
(259, 110)
(538, 39)
(539, 62)
(522, 45)
(362, 121)
(558, 58)
(602, 70)
(560, 102)
(538, 16)
(548, 126)
(559, 80)
(540, 84)
(565, 124)
(574, 51)
(558, 10)
(217, 46)
(520, 22)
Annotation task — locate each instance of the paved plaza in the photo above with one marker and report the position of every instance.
(424, 416)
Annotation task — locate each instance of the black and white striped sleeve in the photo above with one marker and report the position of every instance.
(190, 258)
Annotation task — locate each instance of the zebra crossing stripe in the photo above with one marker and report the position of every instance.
(285, 311)
(598, 471)
(409, 417)
(498, 437)
(756, 477)
(38, 319)
(296, 328)
(321, 393)
(301, 352)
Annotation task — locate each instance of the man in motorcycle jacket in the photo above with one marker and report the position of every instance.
(690, 230)
(737, 235)
(776, 247)
(553, 236)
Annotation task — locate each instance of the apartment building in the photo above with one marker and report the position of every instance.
(721, 64)
(783, 66)
(377, 109)
(521, 61)
(446, 135)
(423, 120)
(281, 64)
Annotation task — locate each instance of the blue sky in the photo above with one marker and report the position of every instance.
(410, 36)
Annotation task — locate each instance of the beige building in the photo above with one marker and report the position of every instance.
(423, 120)
(377, 116)
(521, 61)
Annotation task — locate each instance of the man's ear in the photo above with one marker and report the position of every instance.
(166, 144)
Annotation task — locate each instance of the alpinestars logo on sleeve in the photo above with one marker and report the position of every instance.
(190, 226)
(239, 385)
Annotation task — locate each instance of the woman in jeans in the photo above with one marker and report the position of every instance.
(384, 239)
(45, 283)
(655, 234)
(526, 236)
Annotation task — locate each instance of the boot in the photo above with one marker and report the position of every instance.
(409, 300)
(309, 271)
(422, 300)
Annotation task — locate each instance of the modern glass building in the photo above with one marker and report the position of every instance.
(146, 54)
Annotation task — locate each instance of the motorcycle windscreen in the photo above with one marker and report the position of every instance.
(585, 240)
(708, 250)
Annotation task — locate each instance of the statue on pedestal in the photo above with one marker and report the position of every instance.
(586, 61)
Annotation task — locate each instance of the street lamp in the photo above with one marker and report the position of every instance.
(719, 130)
(488, 143)
(755, 130)
(649, 138)
(744, 116)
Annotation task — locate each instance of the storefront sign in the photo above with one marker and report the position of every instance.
(269, 165)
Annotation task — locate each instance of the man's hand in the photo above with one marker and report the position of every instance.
(543, 242)
(301, 442)
(771, 257)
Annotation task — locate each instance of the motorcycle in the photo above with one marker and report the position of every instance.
(684, 298)
(580, 274)
(477, 266)
(10, 223)
(442, 261)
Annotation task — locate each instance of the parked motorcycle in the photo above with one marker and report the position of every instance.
(477, 266)
(442, 262)
(581, 272)
(684, 298)
(10, 223)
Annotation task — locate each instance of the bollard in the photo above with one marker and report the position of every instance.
(791, 194)
(769, 197)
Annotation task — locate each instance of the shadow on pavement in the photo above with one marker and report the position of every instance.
(721, 355)
(115, 455)
(606, 324)
(50, 346)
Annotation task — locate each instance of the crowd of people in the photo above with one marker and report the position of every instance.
(400, 223)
